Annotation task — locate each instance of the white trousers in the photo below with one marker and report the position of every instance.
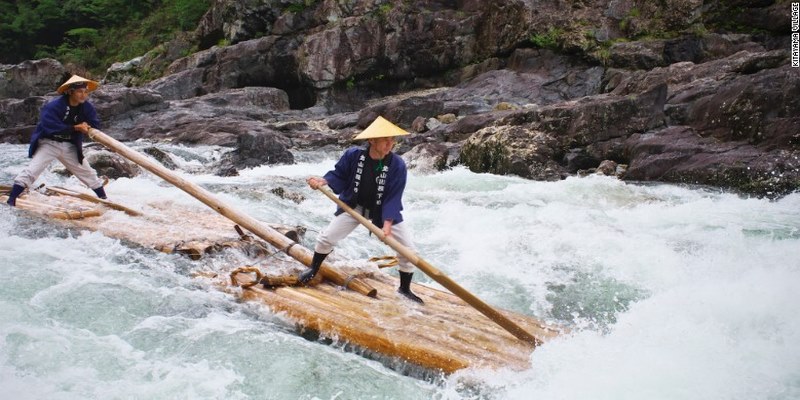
(344, 223)
(64, 152)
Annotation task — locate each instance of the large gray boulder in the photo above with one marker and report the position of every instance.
(31, 78)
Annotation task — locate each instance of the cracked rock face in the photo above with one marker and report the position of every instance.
(539, 90)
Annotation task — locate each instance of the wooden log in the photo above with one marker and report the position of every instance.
(74, 214)
(267, 280)
(436, 274)
(53, 211)
(263, 231)
(93, 199)
(282, 280)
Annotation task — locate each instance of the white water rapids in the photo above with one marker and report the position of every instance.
(670, 292)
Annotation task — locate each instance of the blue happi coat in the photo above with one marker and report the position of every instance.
(342, 180)
(52, 121)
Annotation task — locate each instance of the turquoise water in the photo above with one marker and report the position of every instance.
(670, 292)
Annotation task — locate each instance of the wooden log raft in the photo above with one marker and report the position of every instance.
(264, 232)
(445, 334)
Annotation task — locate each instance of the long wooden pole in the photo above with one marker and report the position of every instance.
(270, 235)
(437, 275)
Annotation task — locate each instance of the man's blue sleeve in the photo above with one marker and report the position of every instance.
(90, 115)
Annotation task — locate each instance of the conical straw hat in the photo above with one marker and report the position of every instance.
(90, 84)
(381, 128)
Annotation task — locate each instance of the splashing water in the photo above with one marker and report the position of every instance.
(669, 293)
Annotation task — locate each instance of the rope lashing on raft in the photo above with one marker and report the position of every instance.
(348, 280)
(247, 269)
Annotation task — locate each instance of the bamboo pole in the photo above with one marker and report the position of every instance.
(263, 231)
(437, 275)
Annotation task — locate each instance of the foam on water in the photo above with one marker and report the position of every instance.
(712, 283)
(669, 292)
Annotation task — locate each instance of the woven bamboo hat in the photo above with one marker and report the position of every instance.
(380, 128)
(77, 81)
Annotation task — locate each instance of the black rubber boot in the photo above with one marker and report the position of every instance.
(16, 190)
(405, 287)
(100, 192)
(316, 262)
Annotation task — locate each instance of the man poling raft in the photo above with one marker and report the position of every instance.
(371, 180)
(59, 136)
(301, 254)
(247, 222)
(406, 254)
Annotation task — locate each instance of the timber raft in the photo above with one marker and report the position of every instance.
(444, 335)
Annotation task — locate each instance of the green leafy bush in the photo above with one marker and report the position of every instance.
(549, 40)
(92, 34)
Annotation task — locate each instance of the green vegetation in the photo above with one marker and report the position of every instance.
(384, 9)
(603, 55)
(625, 23)
(92, 34)
(299, 6)
(550, 40)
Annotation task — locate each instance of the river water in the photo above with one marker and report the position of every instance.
(670, 293)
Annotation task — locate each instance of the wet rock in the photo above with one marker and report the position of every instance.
(341, 121)
(680, 155)
(31, 78)
(607, 167)
(577, 160)
(18, 117)
(124, 73)
(216, 119)
(258, 148)
(111, 164)
(117, 102)
(161, 157)
(431, 157)
(446, 118)
(402, 112)
(419, 125)
(288, 195)
(513, 150)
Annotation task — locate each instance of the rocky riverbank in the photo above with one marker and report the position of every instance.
(542, 90)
